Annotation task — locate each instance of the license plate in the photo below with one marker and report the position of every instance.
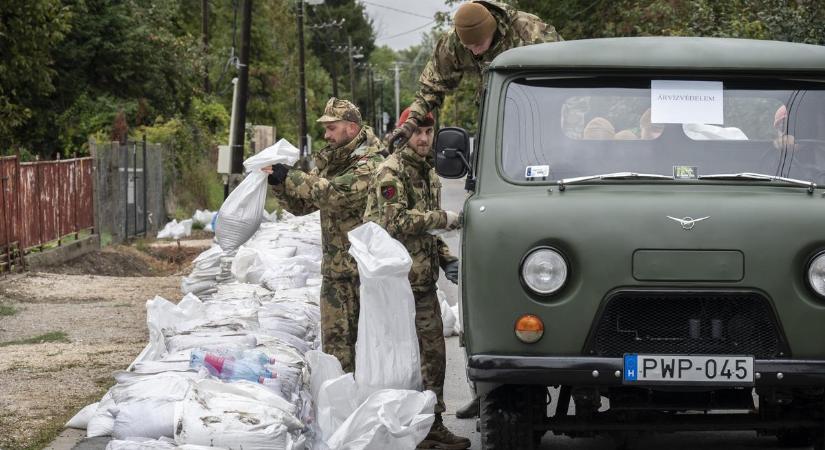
(685, 369)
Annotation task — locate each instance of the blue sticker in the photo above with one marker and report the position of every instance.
(631, 367)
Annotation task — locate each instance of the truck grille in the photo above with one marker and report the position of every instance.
(696, 322)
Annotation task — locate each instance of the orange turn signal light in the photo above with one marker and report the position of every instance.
(529, 328)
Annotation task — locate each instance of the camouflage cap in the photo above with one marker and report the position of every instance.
(339, 109)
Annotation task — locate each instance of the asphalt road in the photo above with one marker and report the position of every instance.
(457, 391)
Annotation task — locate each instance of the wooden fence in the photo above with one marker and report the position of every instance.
(43, 203)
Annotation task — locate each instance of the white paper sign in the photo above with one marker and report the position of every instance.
(674, 101)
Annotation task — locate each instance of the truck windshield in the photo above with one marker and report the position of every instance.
(682, 128)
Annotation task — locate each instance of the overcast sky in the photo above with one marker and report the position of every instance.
(400, 23)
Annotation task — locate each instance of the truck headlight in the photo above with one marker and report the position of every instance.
(816, 274)
(544, 271)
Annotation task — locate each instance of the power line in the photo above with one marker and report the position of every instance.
(396, 9)
(407, 32)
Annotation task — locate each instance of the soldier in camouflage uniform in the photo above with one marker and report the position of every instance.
(405, 198)
(338, 187)
(483, 30)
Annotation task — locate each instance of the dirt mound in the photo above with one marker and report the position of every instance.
(115, 261)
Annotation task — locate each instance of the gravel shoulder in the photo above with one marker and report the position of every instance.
(63, 334)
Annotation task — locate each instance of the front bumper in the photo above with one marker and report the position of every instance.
(594, 371)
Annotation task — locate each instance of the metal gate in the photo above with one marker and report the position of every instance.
(134, 179)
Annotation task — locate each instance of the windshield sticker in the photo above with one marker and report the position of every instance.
(673, 101)
(685, 172)
(537, 172)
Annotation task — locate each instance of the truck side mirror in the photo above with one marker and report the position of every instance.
(452, 145)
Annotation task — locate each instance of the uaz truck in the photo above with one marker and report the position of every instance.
(644, 241)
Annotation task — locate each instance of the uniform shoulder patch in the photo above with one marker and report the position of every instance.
(389, 191)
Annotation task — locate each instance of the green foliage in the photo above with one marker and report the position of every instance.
(53, 336)
(28, 32)
(7, 310)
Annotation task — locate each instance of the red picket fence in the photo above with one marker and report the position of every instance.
(43, 202)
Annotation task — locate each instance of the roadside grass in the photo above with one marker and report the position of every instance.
(54, 336)
(7, 310)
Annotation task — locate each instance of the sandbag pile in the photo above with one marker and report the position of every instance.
(235, 363)
(176, 230)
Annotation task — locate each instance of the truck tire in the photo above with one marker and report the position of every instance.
(508, 415)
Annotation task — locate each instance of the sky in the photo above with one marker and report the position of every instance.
(400, 23)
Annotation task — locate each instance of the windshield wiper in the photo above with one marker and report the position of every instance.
(759, 177)
(613, 176)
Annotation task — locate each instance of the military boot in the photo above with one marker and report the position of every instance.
(440, 437)
(469, 410)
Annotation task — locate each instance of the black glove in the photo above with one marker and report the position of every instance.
(402, 134)
(451, 271)
(278, 175)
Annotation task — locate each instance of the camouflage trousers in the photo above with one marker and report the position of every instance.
(431, 346)
(339, 319)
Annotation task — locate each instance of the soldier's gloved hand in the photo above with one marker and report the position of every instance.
(278, 175)
(453, 220)
(402, 134)
(451, 271)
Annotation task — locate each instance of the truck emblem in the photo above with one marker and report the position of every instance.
(688, 222)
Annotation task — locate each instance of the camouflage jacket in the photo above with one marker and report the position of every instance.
(451, 60)
(338, 187)
(405, 199)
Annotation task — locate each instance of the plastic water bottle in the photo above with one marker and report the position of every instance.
(233, 353)
(229, 368)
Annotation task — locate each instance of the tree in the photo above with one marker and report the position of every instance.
(327, 40)
(28, 32)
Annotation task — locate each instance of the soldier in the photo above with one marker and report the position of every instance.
(338, 187)
(405, 198)
(483, 30)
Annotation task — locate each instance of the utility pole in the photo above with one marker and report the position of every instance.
(334, 75)
(239, 124)
(205, 39)
(351, 71)
(302, 96)
(397, 94)
(370, 97)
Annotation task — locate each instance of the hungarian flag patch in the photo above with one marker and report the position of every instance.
(389, 192)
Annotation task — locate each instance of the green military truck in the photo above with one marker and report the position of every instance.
(644, 243)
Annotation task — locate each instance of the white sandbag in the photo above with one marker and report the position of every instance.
(386, 350)
(183, 229)
(81, 419)
(388, 419)
(448, 319)
(103, 421)
(457, 327)
(139, 443)
(208, 341)
(166, 232)
(203, 218)
(240, 415)
(322, 367)
(337, 399)
(176, 230)
(241, 213)
(146, 418)
(163, 316)
(168, 386)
